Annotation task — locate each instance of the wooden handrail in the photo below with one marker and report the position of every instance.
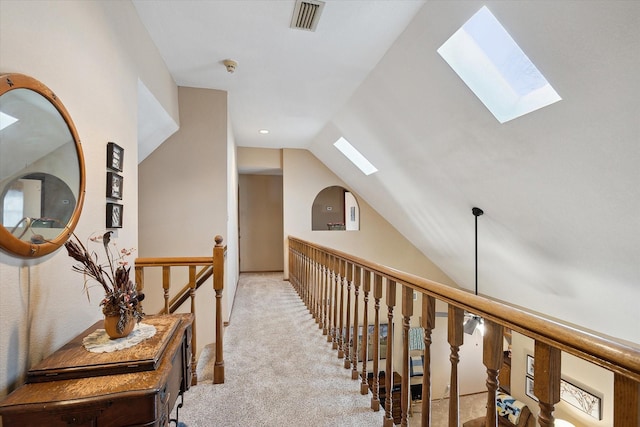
(312, 265)
(613, 354)
(212, 266)
(173, 261)
(183, 294)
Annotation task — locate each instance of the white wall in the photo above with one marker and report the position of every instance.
(91, 55)
(183, 195)
(559, 186)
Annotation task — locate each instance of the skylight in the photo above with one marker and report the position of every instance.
(355, 156)
(494, 67)
(6, 120)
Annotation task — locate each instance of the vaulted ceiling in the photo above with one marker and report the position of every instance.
(560, 187)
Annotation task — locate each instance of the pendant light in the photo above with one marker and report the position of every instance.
(474, 321)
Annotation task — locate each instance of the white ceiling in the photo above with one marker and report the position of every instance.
(288, 81)
(560, 187)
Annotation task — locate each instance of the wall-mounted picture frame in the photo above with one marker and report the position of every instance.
(115, 156)
(530, 365)
(114, 215)
(528, 388)
(114, 185)
(580, 398)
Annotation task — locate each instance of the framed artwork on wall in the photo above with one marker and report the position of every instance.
(585, 401)
(115, 156)
(528, 388)
(114, 215)
(530, 365)
(114, 185)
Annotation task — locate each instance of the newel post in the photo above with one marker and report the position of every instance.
(218, 285)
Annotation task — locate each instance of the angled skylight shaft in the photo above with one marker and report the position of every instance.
(355, 156)
(494, 67)
(6, 120)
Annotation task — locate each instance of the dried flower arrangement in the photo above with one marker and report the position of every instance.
(121, 297)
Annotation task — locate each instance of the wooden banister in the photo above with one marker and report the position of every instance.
(211, 266)
(551, 336)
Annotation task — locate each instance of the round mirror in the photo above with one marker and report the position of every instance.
(42, 175)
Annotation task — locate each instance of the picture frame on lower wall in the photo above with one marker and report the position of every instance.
(114, 215)
(580, 398)
(528, 388)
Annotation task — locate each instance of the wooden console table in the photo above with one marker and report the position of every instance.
(137, 386)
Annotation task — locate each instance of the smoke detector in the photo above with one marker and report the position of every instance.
(230, 64)
(306, 14)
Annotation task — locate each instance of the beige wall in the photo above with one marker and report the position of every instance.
(261, 225)
(304, 177)
(183, 195)
(84, 52)
(378, 241)
(584, 374)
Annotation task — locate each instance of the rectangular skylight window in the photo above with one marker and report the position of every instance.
(355, 156)
(6, 120)
(494, 67)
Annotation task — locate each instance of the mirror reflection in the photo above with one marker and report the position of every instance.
(41, 166)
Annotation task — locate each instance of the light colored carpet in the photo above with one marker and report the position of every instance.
(280, 370)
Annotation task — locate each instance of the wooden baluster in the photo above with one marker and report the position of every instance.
(310, 283)
(329, 298)
(388, 377)
(492, 357)
(341, 321)
(218, 286)
(192, 295)
(317, 286)
(166, 285)
(312, 303)
(626, 398)
(407, 312)
(321, 322)
(348, 334)
(305, 275)
(356, 320)
(375, 386)
(366, 287)
(294, 260)
(455, 337)
(336, 278)
(325, 292)
(546, 386)
(139, 279)
(293, 266)
(428, 324)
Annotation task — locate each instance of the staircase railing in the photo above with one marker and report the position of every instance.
(210, 266)
(330, 283)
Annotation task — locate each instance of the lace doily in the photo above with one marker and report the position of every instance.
(99, 342)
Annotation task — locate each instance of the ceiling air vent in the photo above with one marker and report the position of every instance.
(306, 14)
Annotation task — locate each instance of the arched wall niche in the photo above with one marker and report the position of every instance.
(335, 209)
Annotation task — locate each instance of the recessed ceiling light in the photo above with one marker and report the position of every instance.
(494, 67)
(263, 131)
(355, 156)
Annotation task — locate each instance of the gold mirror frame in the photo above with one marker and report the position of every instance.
(8, 242)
